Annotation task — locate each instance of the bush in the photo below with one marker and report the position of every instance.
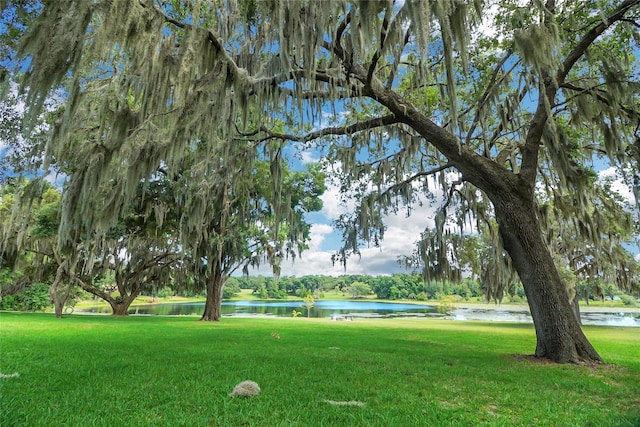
(11, 302)
(231, 289)
(447, 303)
(166, 292)
(422, 296)
(627, 300)
(262, 292)
(34, 298)
(516, 299)
(276, 293)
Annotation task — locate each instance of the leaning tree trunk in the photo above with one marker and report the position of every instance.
(119, 306)
(60, 291)
(575, 305)
(558, 332)
(213, 303)
(58, 306)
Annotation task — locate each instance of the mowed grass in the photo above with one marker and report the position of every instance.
(148, 371)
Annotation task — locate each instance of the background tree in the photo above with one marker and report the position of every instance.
(359, 289)
(309, 301)
(29, 240)
(232, 218)
(141, 252)
(496, 111)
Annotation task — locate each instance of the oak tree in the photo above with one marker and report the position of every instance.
(485, 99)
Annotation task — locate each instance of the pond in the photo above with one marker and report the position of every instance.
(347, 310)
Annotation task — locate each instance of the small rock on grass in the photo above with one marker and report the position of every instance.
(246, 389)
(15, 374)
(343, 402)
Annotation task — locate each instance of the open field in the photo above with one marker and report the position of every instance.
(145, 371)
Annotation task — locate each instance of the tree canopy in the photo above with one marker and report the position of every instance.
(506, 104)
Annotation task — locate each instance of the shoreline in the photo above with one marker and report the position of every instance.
(518, 307)
(525, 307)
(246, 295)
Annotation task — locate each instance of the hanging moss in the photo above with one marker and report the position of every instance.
(180, 89)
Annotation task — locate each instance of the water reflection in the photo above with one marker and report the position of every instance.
(588, 318)
(324, 309)
(367, 309)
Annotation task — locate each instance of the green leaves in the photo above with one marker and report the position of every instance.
(209, 92)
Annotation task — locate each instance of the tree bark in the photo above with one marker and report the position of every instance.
(575, 305)
(213, 303)
(119, 308)
(558, 332)
(58, 307)
(60, 291)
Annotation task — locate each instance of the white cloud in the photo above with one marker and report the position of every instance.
(332, 206)
(308, 157)
(400, 236)
(318, 234)
(373, 261)
(617, 184)
(488, 27)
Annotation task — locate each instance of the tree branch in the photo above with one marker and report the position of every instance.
(337, 130)
(319, 94)
(398, 62)
(95, 291)
(336, 46)
(587, 40)
(378, 53)
(416, 176)
(485, 96)
(549, 85)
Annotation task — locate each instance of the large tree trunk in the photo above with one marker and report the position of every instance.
(58, 307)
(120, 306)
(213, 303)
(558, 332)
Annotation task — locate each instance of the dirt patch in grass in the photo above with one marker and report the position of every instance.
(596, 366)
(532, 358)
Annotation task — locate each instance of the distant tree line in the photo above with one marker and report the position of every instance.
(394, 287)
(35, 297)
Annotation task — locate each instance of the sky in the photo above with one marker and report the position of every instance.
(399, 239)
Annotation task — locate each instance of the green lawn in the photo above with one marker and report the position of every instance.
(145, 371)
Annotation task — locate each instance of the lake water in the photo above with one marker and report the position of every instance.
(368, 309)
